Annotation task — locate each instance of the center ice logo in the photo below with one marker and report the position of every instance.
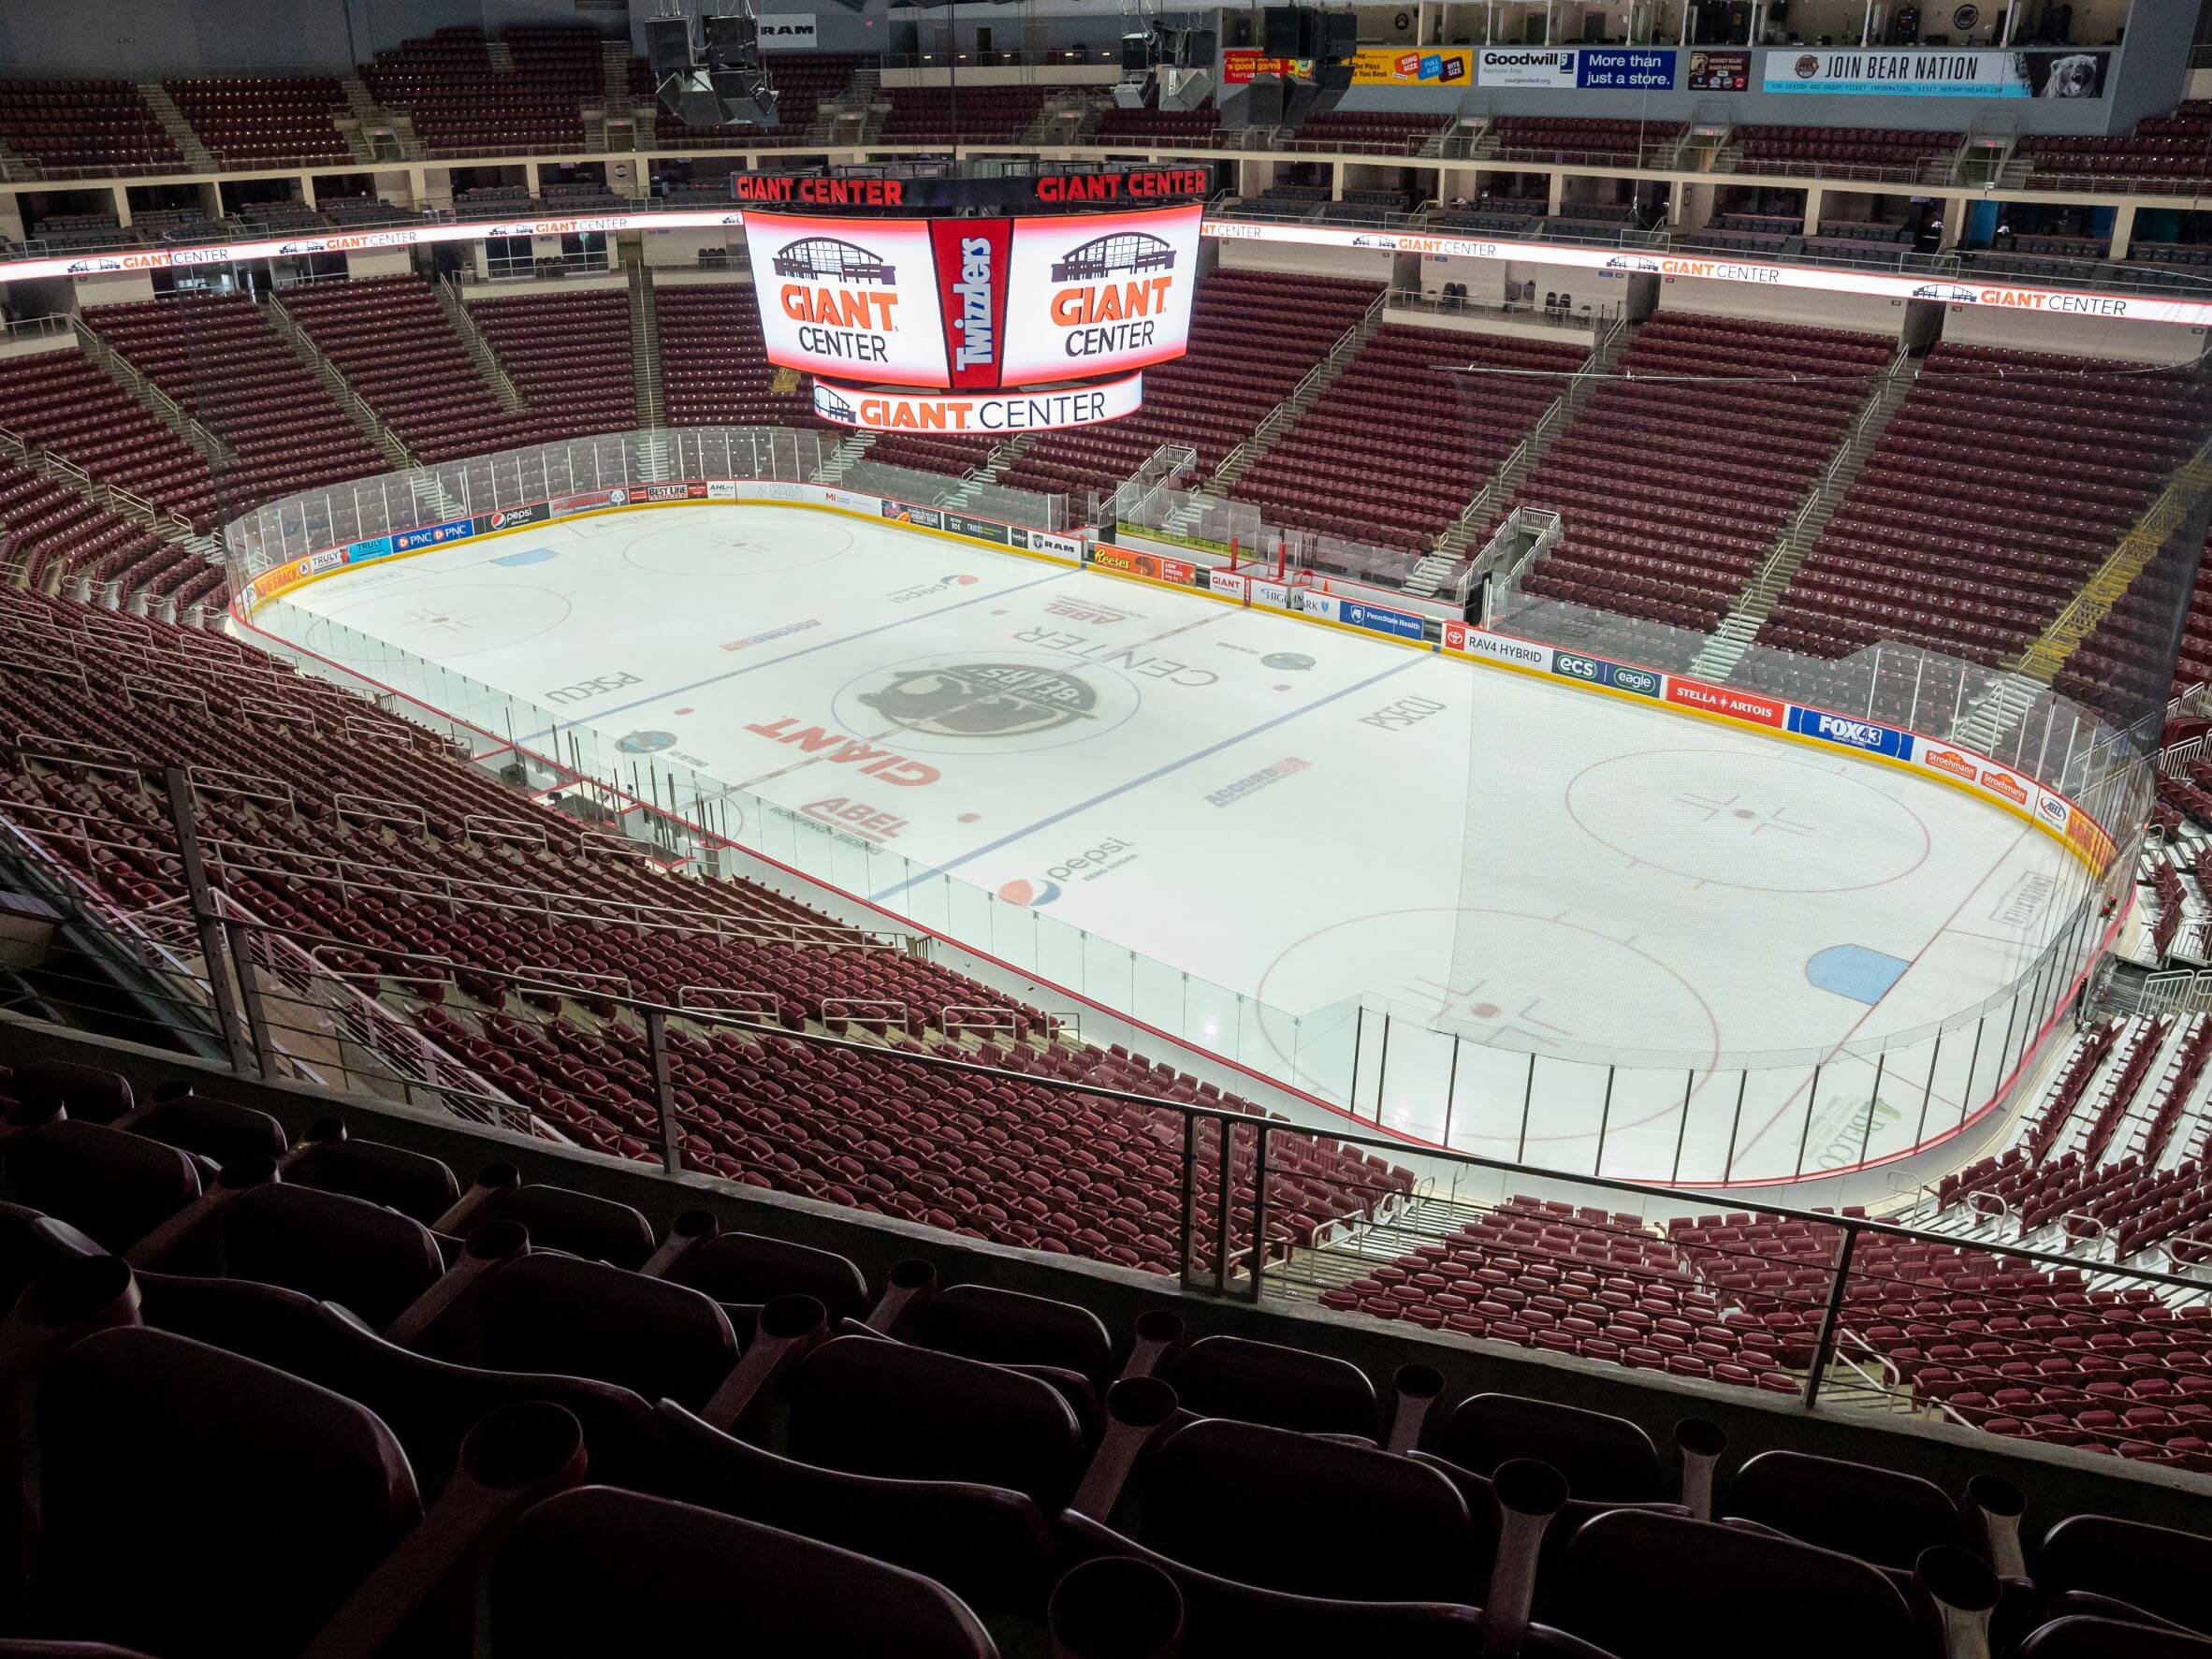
(982, 700)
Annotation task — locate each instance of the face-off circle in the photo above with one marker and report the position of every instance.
(736, 542)
(442, 618)
(1502, 978)
(1760, 823)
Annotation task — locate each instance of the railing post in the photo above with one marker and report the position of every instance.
(672, 1152)
(1259, 1126)
(1805, 1135)
(249, 990)
(1226, 1128)
(1824, 1343)
(1528, 1094)
(211, 950)
(1187, 1214)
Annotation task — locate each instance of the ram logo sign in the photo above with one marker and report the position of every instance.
(1847, 732)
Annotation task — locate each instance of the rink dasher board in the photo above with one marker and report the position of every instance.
(1987, 780)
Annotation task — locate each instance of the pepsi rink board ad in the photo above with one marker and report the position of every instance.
(974, 304)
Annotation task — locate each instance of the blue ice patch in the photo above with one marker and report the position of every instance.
(1855, 972)
(527, 556)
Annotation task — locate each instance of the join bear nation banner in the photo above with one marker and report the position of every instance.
(1938, 74)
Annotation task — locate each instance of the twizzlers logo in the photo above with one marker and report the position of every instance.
(971, 261)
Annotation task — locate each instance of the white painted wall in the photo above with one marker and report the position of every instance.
(1801, 307)
(2087, 337)
(1369, 264)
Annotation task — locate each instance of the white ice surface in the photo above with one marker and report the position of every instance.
(1508, 856)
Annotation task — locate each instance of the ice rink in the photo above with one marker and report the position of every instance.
(1291, 813)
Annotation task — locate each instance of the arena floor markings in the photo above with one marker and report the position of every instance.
(1287, 811)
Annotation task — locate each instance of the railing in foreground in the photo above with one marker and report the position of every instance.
(1784, 1299)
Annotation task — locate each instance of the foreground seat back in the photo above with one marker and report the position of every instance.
(1261, 1382)
(430, 1405)
(747, 1268)
(1008, 1327)
(116, 1186)
(597, 1572)
(194, 1503)
(374, 1261)
(1605, 1459)
(585, 1318)
(2167, 1573)
(1223, 1618)
(1877, 1515)
(885, 1408)
(411, 1183)
(580, 1223)
(1272, 1508)
(989, 1546)
(1649, 1586)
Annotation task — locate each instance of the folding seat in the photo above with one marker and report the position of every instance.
(866, 1406)
(193, 1503)
(1604, 1459)
(428, 1403)
(1881, 1516)
(557, 1314)
(579, 1223)
(2101, 1564)
(1010, 1328)
(598, 1571)
(115, 1185)
(411, 1183)
(1645, 1585)
(738, 1267)
(1233, 1377)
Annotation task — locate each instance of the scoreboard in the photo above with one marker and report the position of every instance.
(905, 301)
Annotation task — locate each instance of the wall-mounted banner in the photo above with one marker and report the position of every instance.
(1726, 701)
(1882, 284)
(1550, 67)
(1153, 567)
(1717, 71)
(1498, 648)
(1615, 68)
(1391, 65)
(1241, 67)
(789, 31)
(888, 410)
(1919, 73)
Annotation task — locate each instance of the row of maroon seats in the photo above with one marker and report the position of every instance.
(258, 118)
(1001, 1157)
(568, 355)
(218, 355)
(1650, 529)
(1397, 445)
(396, 347)
(289, 1386)
(2062, 454)
(1253, 335)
